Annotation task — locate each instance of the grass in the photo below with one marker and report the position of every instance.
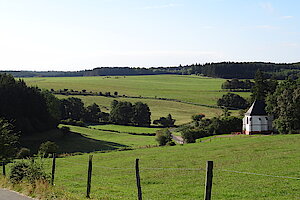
(166, 172)
(124, 139)
(189, 88)
(41, 189)
(84, 140)
(126, 129)
(195, 89)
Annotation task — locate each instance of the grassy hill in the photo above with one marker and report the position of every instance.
(194, 89)
(189, 88)
(178, 172)
(92, 139)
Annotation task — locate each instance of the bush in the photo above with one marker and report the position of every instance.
(28, 171)
(163, 136)
(73, 122)
(190, 135)
(47, 148)
(231, 100)
(198, 117)
(171, 143)
(65, 130)
(165, 121)
(24, 153)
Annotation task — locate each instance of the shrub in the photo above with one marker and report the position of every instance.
(190, 135)
(47, 148)
(231, 100)
(171, 143)
(198, 117)
(73, 122)
(65, 130)
(24, 153)
(28, 171)
(163, 136)
(165, 121)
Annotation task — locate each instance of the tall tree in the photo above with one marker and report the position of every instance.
(72, 108)
(24, 105)
(121, 112)
(284, 105)
(92, 113)
(263, 86)
(259, 89)
(142, 114)
(9, 140)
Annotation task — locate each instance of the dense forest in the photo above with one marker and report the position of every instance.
(242, 70)
(28, 108)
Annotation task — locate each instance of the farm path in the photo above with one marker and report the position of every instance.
(11, 195)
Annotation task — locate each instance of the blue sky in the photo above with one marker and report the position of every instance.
(84, 34)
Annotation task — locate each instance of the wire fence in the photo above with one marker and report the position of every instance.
(150, 176)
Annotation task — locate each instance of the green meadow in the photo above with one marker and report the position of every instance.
(188, 88)
(82, 139)
(126, 129)
(179, 172)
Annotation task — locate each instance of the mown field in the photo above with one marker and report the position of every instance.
(91, 139)
(194, 89)
(126, 129)
(178, 172)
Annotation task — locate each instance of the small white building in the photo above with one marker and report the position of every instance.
(257, 120)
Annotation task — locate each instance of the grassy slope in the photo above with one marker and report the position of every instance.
(126, 129)
(274, 155)
(187, 88)
(88, 140)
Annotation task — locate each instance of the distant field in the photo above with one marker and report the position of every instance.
(188, 88)
(167, 172)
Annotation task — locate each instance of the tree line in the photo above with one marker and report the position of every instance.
(238, 85)
(245, 70)
(229, 70)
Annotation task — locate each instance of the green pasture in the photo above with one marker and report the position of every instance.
(195, 89)
(83, 140)
(179, 172)
(125, 129)
(188, 88)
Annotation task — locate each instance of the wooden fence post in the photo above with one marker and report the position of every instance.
(3, 168)
(209, 176)
(53, 169)
(138, 180)
(88, 189)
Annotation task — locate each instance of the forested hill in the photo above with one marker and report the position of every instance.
(100, 71)
(244, 69)
(219, 70)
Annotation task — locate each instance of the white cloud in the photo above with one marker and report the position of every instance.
(287, 17)
(170, 5)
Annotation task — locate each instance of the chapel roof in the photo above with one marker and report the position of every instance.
(257, 108)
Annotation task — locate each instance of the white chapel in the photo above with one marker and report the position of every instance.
(257, 120)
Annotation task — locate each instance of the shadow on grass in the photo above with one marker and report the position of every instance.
(70, 143)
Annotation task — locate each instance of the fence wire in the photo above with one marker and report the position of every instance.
(179, 169)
